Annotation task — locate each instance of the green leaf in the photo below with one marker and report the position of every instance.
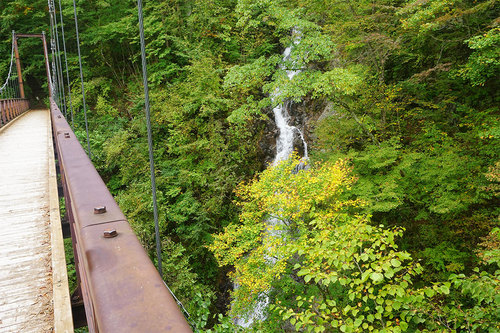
(376, 277)
(429, 292)
(444, 289)
(395, 262)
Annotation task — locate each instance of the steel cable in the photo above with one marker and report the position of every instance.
(55, 83)
(51, 46)
(150, 148)
(66, 63)
(55, 63)
(10, 68)
(49, 76)
(58, 62)
(81, 79)
(16, 87)
(150, 136)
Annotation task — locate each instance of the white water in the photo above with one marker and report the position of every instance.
(284, 148)
(284, 144)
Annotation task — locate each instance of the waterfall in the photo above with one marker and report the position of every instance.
(284, 144)
(284, 148)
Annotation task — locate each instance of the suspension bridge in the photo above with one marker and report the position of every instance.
(43, 164)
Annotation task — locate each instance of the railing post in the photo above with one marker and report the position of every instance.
(2, 117)
(9, 110)
(5, 111)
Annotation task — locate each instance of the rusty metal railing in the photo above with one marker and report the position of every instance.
(120, 287)
(11, 108)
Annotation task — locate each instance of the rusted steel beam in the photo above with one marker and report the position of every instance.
(18, 66)
(45, 53)
(122, 290)
(29, 35)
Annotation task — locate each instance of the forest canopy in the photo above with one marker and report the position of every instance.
(393, 225)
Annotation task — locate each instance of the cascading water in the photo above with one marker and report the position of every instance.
(284, 144)
(284, 148)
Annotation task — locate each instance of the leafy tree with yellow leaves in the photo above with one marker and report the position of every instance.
(305, 248)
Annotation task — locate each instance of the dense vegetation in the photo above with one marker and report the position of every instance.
(394, 227)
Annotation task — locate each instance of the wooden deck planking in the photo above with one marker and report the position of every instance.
(26, 213)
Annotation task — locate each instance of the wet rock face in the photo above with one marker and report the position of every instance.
(268, 142)
(299, 119)
(304, 116)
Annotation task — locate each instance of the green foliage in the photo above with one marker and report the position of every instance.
(70, 264)
(184, 283)
(295, 228)
(445, 257)
(406, 92)
(243, 86)
(224, 324)
(484, 62)
(473, 303)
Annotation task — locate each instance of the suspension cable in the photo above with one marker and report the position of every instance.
(12, 89)
(150, 136)
(58, 61)
(81, 79)
(55, 51)
(52, 51)
(9, 90)
(66, 63)
(179, 303)
(55, 83)
(52, 44)
(150, 148)
(10, 68)
(49, 76)
(16, 86)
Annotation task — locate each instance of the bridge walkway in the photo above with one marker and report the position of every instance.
(34, 294)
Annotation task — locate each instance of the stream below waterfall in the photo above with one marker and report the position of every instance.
(284, 148)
